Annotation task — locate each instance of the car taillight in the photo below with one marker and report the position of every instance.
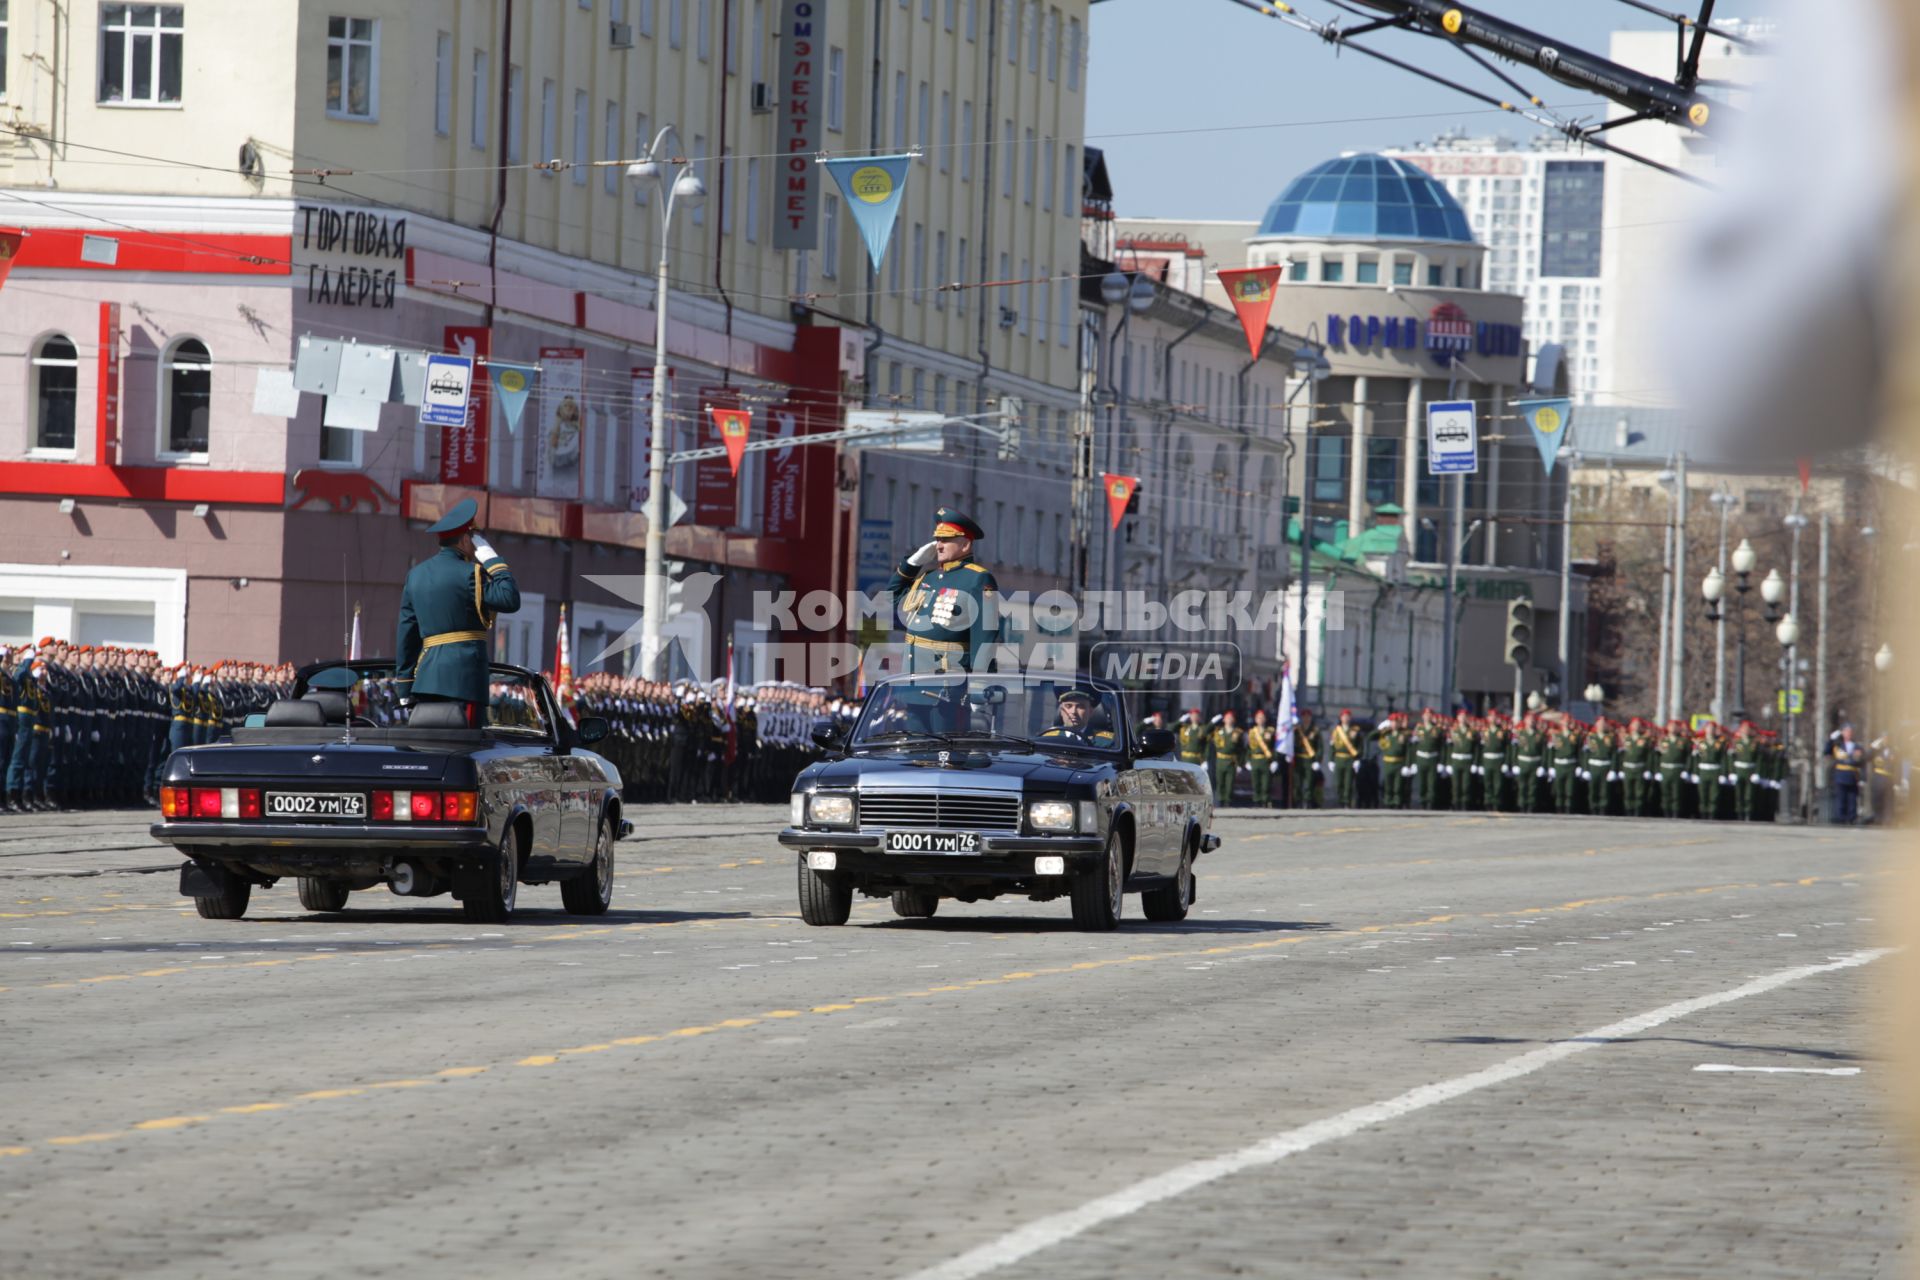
(460, 806)
(174, 802)
(249, 802)
(426, 806)
(382, 806)
(206, 802)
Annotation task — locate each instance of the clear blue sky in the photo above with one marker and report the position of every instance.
(1168, 78)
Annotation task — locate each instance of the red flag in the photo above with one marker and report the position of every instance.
(563, 667)
(734, 425)
(1250, 289)
(1806, 474)
(1119, 493)
(9, 250)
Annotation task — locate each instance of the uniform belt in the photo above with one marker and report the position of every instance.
(453, 637)
(1428, 755)
(1529, 759)
(1393, 759)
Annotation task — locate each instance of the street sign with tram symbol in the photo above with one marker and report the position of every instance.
(1453, 444)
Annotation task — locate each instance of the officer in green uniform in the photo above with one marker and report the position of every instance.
(1675, 756)
(1636, 767)
(1347, 746)
(1563, 765)
(1262, 758)
(1710, 768)
(1884, 766)
(1529, 756)
(1602, 767)
(1744, 760)
(1463, 744)
(8, 714)
(949, 602)
(1309, 753)
(1390, 737)
(1491, 765)
(1229, 748)
(1427, 742)
(1075, 721)
(1190, 738)
(448, 603)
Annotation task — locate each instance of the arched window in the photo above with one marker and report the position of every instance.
(186, 395)
(56, 391)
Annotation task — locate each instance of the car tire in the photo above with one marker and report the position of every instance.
(1098, 893)
(826, 898)
(592, 893)
(489, 894)
(915, 904)
(231, 902)
(1171, 904)
(317, 894)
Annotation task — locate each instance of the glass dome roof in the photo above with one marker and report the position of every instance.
(1367, 197)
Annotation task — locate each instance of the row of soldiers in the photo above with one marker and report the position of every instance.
(89, 726)
(1538, 763)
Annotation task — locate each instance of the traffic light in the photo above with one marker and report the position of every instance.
(1519, 632)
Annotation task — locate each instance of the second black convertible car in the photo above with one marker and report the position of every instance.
(323, 792)
(974, 786)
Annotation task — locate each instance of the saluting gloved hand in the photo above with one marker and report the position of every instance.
(482, 549)
(923, 557)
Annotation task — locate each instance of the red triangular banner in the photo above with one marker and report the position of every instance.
(1250, 289)
(734, 424)
(1806, 474)
(9, 250)
(1119, 493)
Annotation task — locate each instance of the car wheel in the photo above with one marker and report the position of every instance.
(826, 897)
(491, 892)
(228, 904)
(592, 894)
(317, 894)
(915, 904)
(1175, 900)
(1098, 893)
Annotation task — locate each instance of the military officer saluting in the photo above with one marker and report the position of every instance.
(949, 602)
(445, 609)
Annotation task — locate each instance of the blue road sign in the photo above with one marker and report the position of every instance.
(1453, 443)
(449, 385)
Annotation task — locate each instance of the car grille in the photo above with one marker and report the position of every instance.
(949, 810)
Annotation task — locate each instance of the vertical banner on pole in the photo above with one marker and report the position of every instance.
(796, 207)
(563, 421)
(109, 392)
(638, 479)
(784, 470)
(463, 448)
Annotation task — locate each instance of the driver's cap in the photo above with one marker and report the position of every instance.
(1078, 694)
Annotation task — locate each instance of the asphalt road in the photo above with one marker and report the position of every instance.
(1383, 1045)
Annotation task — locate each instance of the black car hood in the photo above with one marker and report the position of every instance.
(965, 768)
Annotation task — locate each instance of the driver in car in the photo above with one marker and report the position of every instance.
(1076, 720)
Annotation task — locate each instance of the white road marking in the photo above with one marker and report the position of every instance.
(1782, 1071)
(1043, 1233)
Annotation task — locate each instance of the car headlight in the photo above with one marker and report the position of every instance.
(831, 811)
(797, 809)
(1051, 815)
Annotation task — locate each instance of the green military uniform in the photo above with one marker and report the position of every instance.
(1261, 758)
(1348, 745)
(1710, 767)
(1082, 730)
(1392, 742)
(1427, 742)
(1744, 759)
(446, 607)
(1563, 766)
(1463, 748)
(1309, 753)
(1228, 745)
(1493, 766)
(1602, 769)
(1529, 754)
(1675, 766)
(1190, 741)
(951, 611)
(1636, 766)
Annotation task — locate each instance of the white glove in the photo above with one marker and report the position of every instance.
(1725, 781)
(1409, 771)
(482, 549)
(1647, 774)
(922, 557)
(1274, 767)
(1540, 771)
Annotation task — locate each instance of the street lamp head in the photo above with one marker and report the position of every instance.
(1713, 586)
(689, 187)
(1535, 702)
(1113, 288)
(1773, 588)
(1596, 694)
(1795, 520)
(1665, 476)
(1744, 557)
(1141, 295)
(1883, 660)
(1788, 631)
(643, 170)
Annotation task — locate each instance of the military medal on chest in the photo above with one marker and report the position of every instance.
(945, 604)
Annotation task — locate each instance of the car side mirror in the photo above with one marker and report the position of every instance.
(827, 737)
(592, 729)
(1156, 742)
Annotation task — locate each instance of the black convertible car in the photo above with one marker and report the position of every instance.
(974, 786)
(322, 791)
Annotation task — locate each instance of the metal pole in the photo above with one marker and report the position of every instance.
(1822, 714)
(1111, 578)
(1666, 621)
(1447, 701)
(653, 619)
(1306, 537)
(1677, 701)
(1720, 623)
(1796, 522)
(1566, 581)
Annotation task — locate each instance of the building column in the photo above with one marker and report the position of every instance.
(1410, 464)
(1357, 459)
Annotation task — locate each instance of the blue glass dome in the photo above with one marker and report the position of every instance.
(1367, 197)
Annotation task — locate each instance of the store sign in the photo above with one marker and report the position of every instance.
(1446, 333)
(368, 241)
(785, 469)
(796, 217)
(563, 422)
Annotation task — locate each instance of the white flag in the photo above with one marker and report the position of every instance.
(1286, 717)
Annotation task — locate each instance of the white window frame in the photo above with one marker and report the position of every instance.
(836, 89)
(346, 45)
(582, 136)
(1075, 51)
(966, 141)
(443, 84)
(158, 33)
(516, 115)
(36, 361)
(610, 147)
(163, 409)
(549, 123)
(477, 109)
(946, 131)
(753, 199)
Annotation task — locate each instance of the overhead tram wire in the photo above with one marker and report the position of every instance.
(1333, 34)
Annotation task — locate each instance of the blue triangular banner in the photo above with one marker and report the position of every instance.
(872, 186)
(513, 383)
(1548, 420)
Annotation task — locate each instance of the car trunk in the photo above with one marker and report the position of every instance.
(372, 764)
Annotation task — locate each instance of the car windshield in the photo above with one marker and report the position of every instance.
(1053, 713)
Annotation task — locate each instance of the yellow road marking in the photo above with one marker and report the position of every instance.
(250, 1108)
(75, 1139)
(172, 1122)
(537, 1060)
(14, 1151)
(460, 1073)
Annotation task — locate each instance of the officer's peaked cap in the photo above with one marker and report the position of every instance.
(949, 523)
(456, 521)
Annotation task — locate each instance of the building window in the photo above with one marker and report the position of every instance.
(940, 276)
(3, 50)
(1070, 183)
(1031, 148)
(960, 270)
(926, 121)
(1026, 293)
(516, 115)
(1367, 271)
(1053, 44)
(1033, 37)
(830, 236)
(950, 7)
(1330, 468)
(836, 89)
(1402, 271)
(1010, 27)
(753, 199)
(699, 206)
(339, 446)
(141, 54)
(1297, 270)
(946, 131)
(549, 127)
(610, 148)
(1073, 55)
(580, 137)
(442, 84)
(477, 96)
(899, 111)
(56, 392)
(1006, 167)
(645, 17)
(676, 23)
(703, 30)
(353, 68)
(1383, 469)
(1333, 271)
(1047, 179)
(919, 262)
(973, 18)
(966, 142)
(1436, 276)
(186, 379)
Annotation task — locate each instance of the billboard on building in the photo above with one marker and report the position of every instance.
(563, 422)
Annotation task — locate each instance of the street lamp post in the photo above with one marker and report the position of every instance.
(1137, 293)
(1665, 479)
(1795, 521)
(1726, 502)
(685, 184)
